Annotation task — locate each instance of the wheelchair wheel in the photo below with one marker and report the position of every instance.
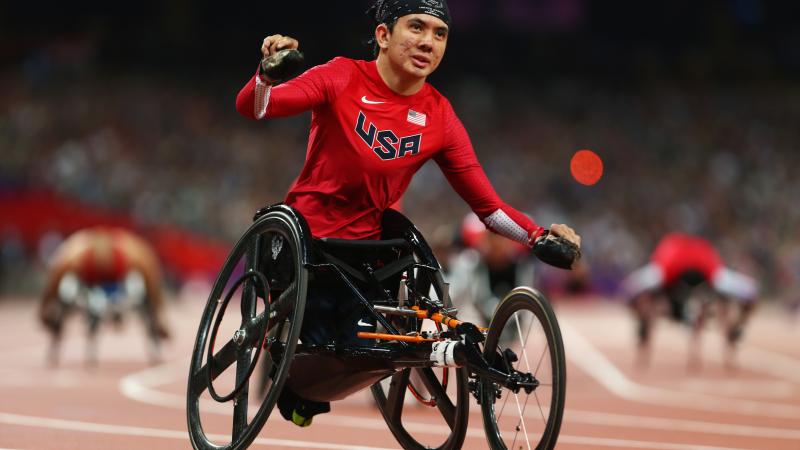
(525, 324)
(266, 274)
(442, 391)
(451, 407)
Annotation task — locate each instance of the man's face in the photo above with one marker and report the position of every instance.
(417, 43)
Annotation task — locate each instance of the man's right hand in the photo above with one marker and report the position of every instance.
(277, 42)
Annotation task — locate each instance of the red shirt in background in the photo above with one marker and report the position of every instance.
(677, 253)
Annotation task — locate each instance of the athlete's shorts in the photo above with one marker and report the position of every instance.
(679, 291)
(333, 314)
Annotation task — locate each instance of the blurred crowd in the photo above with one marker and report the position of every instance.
(717, 161)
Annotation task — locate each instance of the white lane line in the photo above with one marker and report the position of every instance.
(690, 426)
(760, 360)
(417, 428)
(586, 417)
(624, 443)
(139, 386)
(596, 365)
(23, 378)
(764, 388)
(91, 427)
(750, 355)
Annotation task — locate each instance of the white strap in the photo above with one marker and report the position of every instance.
(443, 353)
(262, 98)
(500, 223)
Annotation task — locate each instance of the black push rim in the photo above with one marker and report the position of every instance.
(260, 279)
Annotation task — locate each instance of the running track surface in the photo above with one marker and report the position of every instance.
(125, 402)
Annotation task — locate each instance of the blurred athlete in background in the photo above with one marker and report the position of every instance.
(679, 264)
(373, 125)
(486, 268)
(103, 271)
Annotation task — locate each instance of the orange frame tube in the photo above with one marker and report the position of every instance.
(393, 337)
(421, 314)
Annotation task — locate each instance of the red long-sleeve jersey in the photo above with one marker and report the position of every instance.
(365, 144)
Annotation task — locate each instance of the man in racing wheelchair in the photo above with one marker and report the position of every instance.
(374, 124)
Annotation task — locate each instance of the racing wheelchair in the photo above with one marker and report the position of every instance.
(514, 369)
(99, 303)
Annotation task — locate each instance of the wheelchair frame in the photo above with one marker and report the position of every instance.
(396, 351)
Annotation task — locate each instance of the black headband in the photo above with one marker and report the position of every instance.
(386, 11)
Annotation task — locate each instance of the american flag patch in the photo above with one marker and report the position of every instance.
(416, 118)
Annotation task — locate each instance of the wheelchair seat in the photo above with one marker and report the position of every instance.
(362, 245)
(366, 260)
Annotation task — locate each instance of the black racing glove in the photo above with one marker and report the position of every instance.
(282, 65)
(556, 251)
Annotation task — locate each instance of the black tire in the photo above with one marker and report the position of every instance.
(529, 307)
(271, 250)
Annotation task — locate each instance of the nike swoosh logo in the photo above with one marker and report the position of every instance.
(370, 102)
(363, 324)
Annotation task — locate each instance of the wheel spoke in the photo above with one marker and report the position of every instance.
(525, 406)
(397, 394)
(439, 394)
(522, 416)
(222, 360)
(283, 306)
(505, 399)
(544, 420)
(227, 355)
(541, 358)
(522, 422)
(240, 403)
(523, 343)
